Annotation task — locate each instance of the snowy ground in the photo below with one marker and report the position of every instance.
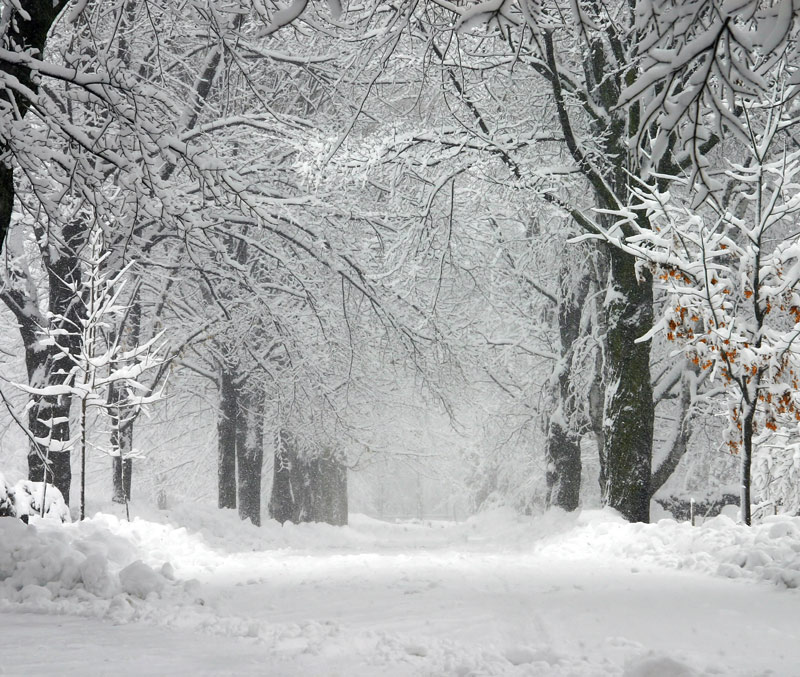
(196, 592)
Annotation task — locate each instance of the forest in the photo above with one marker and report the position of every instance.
(490, 269)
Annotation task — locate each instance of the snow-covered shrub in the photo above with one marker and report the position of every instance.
(24, 499)
(710, 505)
(28, 500)
(6, 499)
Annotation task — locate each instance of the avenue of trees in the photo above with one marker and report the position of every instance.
(563, 225)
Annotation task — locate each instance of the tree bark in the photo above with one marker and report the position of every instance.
(563, 465)
(23, 35)
(122, 446)
(629, 412)
(226, 439)
(563, 449)
(48, 416)
(48, 421)
(123, 416)
(122, 474)
(250, 450)
(747, 461)
(284, 476)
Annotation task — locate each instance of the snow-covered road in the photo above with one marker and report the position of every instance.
(495, 597)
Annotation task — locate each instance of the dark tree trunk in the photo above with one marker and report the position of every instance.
(122, 479)
(48, 420)
(6, 200)
(629, 411)
(747, 460)
(250, 450)
(22, 34)
(226, 440)
(307, 489)
(48, 417)
(563, 465)
(121, 445)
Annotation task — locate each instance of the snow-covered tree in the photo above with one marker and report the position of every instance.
(731, 270)
(641, 93)
(101, 364)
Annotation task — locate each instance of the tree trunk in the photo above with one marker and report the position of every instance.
(122, 416)
(563, 449)
(679, 443)
(307, 490)
(122, 447)
(563, 465)
(629, 412)
(122, 473)
(226, 440)
(48, 416)
(327, 491)
(747, 461)
(284, 476)
(250, 450)
(22, 33)
(48, 422)
(6, 200)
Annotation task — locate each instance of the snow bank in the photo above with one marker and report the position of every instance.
(768, 551)
(75, 568)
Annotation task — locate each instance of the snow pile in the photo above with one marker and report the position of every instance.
(70, 569)
(768, 551)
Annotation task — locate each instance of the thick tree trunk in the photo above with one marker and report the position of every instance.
(250, 451)
(563, 449)
(563, 465)
(23, 32)
(48, 423)
(122, 473)
(226, 440)
(307, 490)
(48, 417)
(629, 412)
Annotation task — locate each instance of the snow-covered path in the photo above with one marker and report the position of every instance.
(376, 599)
